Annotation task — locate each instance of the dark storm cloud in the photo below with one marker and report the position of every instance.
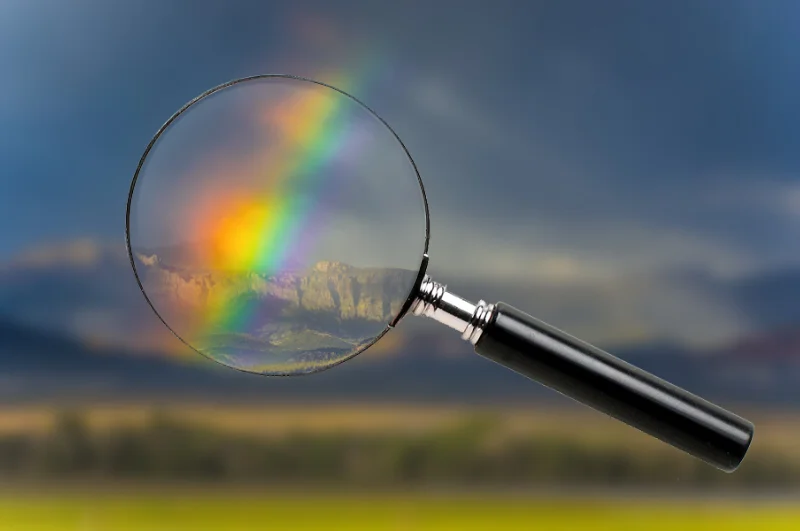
(665, 120)
(596, 132)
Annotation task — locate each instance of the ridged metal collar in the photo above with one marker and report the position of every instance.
(434, 301)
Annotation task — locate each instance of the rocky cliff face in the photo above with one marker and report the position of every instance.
(287, 323)
(337, 289)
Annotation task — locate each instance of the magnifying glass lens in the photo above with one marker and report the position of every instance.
(276, 225)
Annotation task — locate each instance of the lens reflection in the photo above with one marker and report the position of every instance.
(276, 225)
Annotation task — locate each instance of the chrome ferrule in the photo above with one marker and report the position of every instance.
(434, 301)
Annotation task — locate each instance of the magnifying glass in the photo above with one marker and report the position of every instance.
(279, 226)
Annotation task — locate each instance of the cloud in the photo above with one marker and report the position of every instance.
(536, 228)
(527, 252)
(782, 197)
(78, 253)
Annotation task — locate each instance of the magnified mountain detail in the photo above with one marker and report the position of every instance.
(301, 317)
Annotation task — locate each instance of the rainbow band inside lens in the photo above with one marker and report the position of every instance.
(257, 231)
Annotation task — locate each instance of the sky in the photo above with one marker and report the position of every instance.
(558, 141)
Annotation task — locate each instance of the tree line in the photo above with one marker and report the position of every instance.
(466, 455)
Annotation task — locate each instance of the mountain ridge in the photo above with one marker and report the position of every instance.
(87, 290)
(374, 294)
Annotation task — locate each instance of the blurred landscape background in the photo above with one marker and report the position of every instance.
(625, 171)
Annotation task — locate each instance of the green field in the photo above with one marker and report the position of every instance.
(179, 509)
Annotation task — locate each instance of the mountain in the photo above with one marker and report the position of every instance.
(771, 298)
(41, 365)
(287, 322)
(76, 324)
(87, 289)
(82, 289)
(191, 274)
(344, 291)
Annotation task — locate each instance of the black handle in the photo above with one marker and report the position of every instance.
(612, 386)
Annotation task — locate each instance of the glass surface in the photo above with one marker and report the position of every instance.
(276, 225)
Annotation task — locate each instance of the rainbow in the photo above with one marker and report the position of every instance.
(256, 230)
